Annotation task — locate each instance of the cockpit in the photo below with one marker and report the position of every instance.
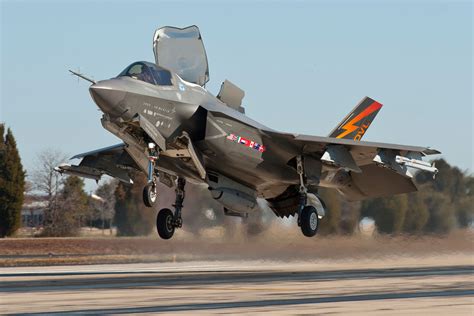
(148, 72)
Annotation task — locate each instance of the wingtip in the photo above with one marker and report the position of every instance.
(431, 151)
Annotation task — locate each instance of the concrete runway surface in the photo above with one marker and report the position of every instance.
(230, 287)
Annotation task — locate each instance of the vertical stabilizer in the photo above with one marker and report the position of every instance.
(356, 123)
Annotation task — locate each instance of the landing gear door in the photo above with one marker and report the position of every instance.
(182, 51)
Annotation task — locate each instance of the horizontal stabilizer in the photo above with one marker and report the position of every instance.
(93, 173)
(108, 150)
(83, 172)
(113, 161)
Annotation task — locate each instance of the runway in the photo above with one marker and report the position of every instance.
(249, 287)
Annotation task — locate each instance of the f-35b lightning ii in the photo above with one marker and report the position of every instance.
(175, 131)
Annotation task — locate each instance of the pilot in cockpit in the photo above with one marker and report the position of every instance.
(149, 73)
(146, 76)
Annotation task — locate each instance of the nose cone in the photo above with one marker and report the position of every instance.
(108, 96)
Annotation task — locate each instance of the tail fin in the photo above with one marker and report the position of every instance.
(356, 123)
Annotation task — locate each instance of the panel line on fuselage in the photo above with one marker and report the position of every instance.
(223, 133)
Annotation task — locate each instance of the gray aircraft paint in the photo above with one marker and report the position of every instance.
(186, 108)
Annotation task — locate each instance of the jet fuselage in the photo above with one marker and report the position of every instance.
(228, 141)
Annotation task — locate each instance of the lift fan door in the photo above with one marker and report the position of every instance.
(182, 51)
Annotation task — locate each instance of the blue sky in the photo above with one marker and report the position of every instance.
(302, 64)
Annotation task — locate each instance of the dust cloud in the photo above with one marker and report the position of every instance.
(208, 234)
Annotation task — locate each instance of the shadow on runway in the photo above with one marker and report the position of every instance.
(123, 280)
(265, 303)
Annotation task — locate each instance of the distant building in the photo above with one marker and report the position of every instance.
(32, 213)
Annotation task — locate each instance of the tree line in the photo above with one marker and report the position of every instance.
(68, 207)
(440, 205)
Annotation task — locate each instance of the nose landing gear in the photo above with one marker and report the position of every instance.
(150, 195)
(166, 220)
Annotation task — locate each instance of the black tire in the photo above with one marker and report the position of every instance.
(164, 223)
(309, 221)
(150, 196)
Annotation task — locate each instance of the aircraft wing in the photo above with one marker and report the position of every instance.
(360, 150)
(363, 161)
(113, 161)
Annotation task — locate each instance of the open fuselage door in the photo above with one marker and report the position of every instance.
(182, 51)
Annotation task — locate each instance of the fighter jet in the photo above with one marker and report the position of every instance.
(175, 131)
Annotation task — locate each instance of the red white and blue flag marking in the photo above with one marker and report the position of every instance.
(247, 142)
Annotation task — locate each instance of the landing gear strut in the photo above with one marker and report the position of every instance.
(308, 218)
(166, 221)
(150, 196)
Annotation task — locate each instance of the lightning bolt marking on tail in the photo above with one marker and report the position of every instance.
(350, 126)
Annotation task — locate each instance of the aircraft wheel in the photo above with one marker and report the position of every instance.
(164, 223)
(309, 221)
(150, 195)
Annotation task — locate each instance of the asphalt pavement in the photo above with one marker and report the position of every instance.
(249, 287)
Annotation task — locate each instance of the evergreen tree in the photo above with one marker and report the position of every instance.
(12, 184)
(465, 205)
(132, 217)
(465, 211)
(388, 213)
(105, 209)
(417, 214)
(75, 199)
(454, 189)
(71, 210)
(442, 217)
(449, 180)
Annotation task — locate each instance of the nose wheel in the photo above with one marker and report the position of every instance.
(150, 195)
(166, 221)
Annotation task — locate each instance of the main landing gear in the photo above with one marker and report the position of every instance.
(166, 221)
(309, 221)
(308, 218)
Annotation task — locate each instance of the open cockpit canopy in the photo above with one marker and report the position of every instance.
(182, 51)
(148, 72)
